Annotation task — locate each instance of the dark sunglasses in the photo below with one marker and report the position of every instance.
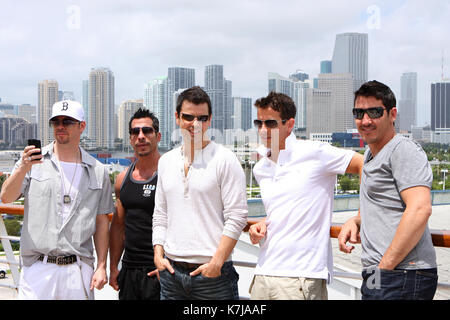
(373, 113)
(190, 117)
(65, 122)
(271, 123)
(145, 130)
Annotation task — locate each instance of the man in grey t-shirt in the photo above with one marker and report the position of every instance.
(398, 257)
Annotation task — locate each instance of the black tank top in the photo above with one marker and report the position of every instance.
(138, 200)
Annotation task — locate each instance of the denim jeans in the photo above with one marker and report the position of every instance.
(399, 284)
(181, 286)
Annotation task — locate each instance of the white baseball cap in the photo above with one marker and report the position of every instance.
(68, 108)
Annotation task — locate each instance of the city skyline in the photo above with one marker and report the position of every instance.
(139, 41)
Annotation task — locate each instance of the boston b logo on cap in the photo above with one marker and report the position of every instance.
(68, 108)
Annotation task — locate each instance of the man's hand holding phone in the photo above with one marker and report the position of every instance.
(32, 153)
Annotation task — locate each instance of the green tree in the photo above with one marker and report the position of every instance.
(346, 183)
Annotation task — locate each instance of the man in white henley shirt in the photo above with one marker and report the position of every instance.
(200, 209)
(297, 181)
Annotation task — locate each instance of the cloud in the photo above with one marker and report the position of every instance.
(138, 40)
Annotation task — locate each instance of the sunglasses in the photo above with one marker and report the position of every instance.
(190, 117)
(65, 122)
(271, 123)
(373, 113)
(145, 130)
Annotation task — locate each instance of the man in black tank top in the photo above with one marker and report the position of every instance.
(131, 227)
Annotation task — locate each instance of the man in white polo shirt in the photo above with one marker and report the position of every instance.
(297, 181)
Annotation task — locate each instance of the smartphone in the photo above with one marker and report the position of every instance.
(37, 144)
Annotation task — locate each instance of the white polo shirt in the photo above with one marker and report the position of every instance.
(297, 193)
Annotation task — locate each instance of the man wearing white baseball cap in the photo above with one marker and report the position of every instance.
(67, 198)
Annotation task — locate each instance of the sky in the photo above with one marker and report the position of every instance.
(138, 40)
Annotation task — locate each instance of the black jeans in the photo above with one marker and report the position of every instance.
(399, 284)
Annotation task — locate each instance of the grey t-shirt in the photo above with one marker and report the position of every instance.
(401, 164)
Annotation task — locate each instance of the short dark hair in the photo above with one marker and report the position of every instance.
(278, 102)
(379, 91)
(195, 95)
(144, 113)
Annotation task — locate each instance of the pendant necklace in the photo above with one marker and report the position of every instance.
(66, 198)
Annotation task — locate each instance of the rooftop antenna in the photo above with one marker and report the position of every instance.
(442, 66)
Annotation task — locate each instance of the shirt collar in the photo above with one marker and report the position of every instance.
(85, 158)
(289, 145)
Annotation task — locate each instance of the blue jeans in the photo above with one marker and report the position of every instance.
(181, 286)
(399, 284)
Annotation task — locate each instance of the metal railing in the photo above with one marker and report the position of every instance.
(441, 238)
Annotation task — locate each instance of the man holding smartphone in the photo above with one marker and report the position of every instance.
(67, 198)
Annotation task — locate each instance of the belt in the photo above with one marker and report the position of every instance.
(60, 260)
(185, 265)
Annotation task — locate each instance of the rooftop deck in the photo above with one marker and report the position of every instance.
(347, 267)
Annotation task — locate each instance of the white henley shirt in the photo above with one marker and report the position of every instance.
(193, 212)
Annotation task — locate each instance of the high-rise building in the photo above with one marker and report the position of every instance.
(350, 55)
(299, 76)
(85, 102)
(7, 108)
(242, 114)
(66, 95)
(158, 95)
(300, 102)
(181, 78)
(325, 66)
(440, 109)
(407, 105)
(47, 96)
(101, 107)
(228, 104)
(28, 112)
(293, 88)
(215, 88)
(14, 131)
(341, 86)
(280, 84)
(126, 111)
(318, 105)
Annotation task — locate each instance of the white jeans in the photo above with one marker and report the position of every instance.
(48, 281)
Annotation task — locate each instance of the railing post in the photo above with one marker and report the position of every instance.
(11, 260)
